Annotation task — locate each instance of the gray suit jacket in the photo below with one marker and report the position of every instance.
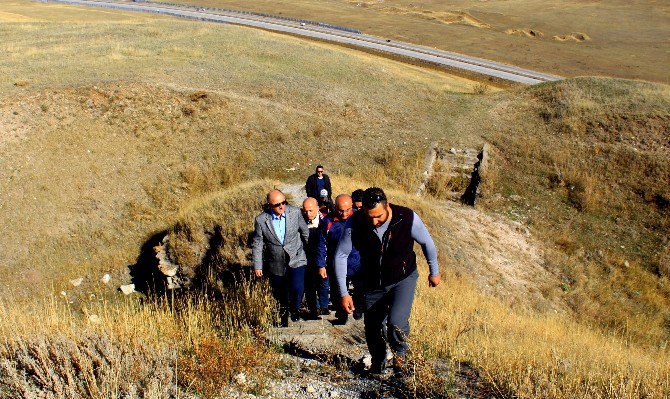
(269, 254)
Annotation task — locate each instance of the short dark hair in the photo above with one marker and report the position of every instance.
(373, 196)
(319, 167)
(357, 195)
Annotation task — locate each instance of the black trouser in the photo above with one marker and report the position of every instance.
(316, 289)
(392, 304)
(288, 289)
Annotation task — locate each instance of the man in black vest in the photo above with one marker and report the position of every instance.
(384, 234)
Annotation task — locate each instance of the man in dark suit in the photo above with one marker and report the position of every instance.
(278, 252)
(317, 182)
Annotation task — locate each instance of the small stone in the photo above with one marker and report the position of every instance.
(106, 278)
(63, 293)
(94, 318)
(626, 264)
(77, 281)
(240, 379)
(310, 388)
(334, 394)
(127, 289)
(367, 361)
(168, 269)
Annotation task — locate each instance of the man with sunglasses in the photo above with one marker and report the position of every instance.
(317, 182)
(384, 234)
(280, 237)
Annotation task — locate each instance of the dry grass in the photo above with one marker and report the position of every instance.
(124, 348)
(516, 352)
(96, 159)
(569, 39)
(530, 356)
(588, 158)
(522, 354)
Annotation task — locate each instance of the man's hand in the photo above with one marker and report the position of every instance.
(258, 273)
(347, 304)
(434, 281)
(322, 273)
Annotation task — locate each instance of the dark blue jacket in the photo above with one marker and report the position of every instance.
(331, 228)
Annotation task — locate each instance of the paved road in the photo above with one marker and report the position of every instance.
(332, 34)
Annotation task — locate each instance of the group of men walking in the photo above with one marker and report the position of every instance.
(359, 240)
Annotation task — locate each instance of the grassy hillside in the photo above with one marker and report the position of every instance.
(584, 164)
(569, 38)
(145, 114)
(157, 125)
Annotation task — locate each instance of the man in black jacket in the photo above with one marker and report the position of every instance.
(317, 182)
(384, 234)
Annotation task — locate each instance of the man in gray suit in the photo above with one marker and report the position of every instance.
(280, 237)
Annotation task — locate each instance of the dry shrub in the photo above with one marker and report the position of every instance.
(394, 168)
(268, 93)
(247, 305)
(581, 192)
(129, 349)
(223, 171)
(87, 365)
(442, 184)
(663, 262)
(480, 88)
(428, 378)
(213, 362)
(188, 110)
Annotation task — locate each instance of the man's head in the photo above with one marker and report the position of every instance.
(375, 206)
(276, 202)
(310, 208)
(357, 198)
(319, 171)
(343, 205)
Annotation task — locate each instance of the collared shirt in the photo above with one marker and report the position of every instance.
(314, 223)
(279, 224)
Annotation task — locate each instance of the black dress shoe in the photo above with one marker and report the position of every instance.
(313, 315)
(342, 318)
(295, 316)
(284, 320)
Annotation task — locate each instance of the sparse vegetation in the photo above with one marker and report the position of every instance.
(97, 158)
(560, 38)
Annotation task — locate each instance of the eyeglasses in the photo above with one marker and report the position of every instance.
(278, 204)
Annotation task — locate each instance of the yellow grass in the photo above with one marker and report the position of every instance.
(569, 38)
(153, 126)
(109, 349)
(520, 353)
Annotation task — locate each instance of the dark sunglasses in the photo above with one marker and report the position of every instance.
(319, 171)
(278, 204)
(370, 201)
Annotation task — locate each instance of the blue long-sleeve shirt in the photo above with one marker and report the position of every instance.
(331, 230)
(419, 234)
